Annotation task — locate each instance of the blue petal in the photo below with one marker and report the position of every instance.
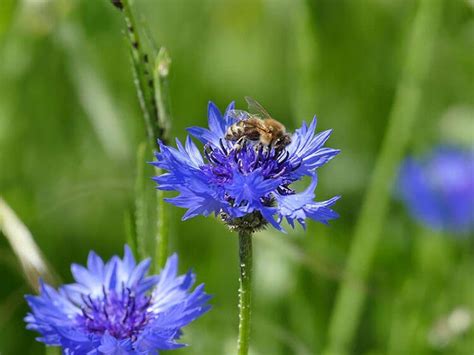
(307, 151)
(215, 120)
(109, 345)
(300, 206)
(250, 187)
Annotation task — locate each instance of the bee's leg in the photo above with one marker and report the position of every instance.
(239, 144)
(266, 148)
(281, 143)
(259, 147)
(278, 147)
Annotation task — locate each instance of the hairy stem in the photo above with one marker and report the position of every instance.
(245, 291)
(151, 80)
(156, 120)
(141, 71)
(350, 300)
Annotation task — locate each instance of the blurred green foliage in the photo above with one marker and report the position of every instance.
(70, 126)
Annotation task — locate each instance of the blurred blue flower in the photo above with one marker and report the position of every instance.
(248, 186)
(438, 189)
(114, 308)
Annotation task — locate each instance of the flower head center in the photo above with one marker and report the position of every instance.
(121, 314)
(245, 159)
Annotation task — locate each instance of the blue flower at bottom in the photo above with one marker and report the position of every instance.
(438, 189)
(247, 185)
(114, 308)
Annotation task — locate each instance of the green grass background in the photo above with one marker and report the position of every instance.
(70, 125)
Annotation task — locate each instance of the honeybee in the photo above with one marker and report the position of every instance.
(257, 126)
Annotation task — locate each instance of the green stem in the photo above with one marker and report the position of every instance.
(162, 229)
(245, 291)
(350, 300)
(141, 203)
(160, 76)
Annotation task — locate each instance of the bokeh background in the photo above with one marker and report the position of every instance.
(70, 125)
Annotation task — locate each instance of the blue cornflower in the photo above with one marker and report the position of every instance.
(248, 185)
(114, 308)
(438, 189)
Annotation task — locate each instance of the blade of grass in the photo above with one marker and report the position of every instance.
(304, 64)
(31, 258)
(350, 300)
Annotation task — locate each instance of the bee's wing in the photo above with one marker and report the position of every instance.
(258, 124)
(256, 108)
(239, 115)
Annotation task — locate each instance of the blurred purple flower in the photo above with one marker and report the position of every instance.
(438, 189)
(247, 186)
(114, 308)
